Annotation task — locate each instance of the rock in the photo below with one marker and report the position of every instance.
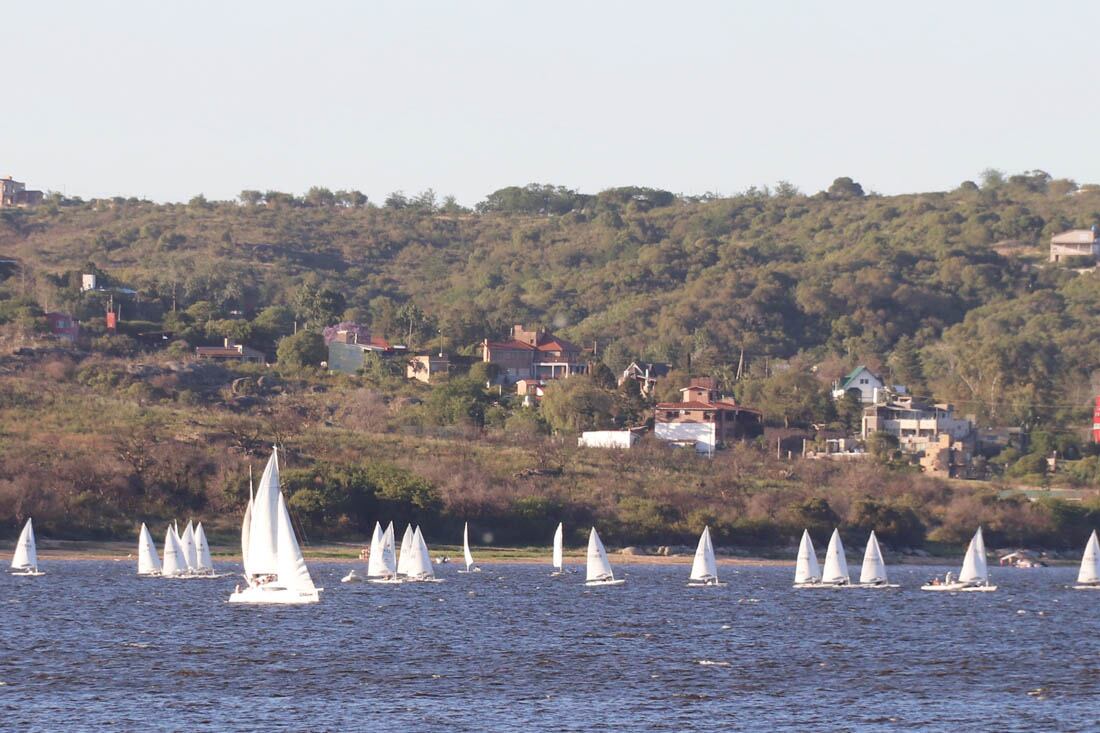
(630, 551)
(241, 385)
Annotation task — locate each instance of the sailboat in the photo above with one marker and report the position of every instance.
(835, 573)
(190, 551)
(406, 551)
(204, 564)
(387, 567)
(1088, 577)
(599, 569)
(974, 576)
(419, 568)
(873, 572)
(466, 555)
(148, 560)
(556, 557)
(704, 569)
(275, 568)
(175, 563)
(374, 557)
(807, 573)
(25, 559)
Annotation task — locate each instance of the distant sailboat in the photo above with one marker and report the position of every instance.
(175, 564)
(704, 569)
(807, 573)
(556, 558)
(599, 568)
(873, 572)
(190, 551)
(1088, 577)
(835, 572)
(148, 560)
(420, 562)
(467, 556)
(25, 559)
(974, 576)
(204, 564)
(374, 557)
(277, 571)
(388, 560)
(405, 555)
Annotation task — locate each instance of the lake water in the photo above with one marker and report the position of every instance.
(89, 646)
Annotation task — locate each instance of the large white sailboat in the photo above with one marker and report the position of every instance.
(873, 572)
(1088, 577)
(24, 560)
(835, 573)
(148, 560)
(599, 568)
(704, 569)
(974, 576)
(807, 573)
(467, 556)
(556, 556)
(275, 569)
(175, 563)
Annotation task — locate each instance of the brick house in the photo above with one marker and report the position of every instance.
(230, 351)
(534, 355)
(63, 326)
(704, 419)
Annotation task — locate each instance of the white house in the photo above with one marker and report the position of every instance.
(621, 439)
(1075, 243)
(869, 386)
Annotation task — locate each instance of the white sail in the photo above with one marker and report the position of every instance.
(389, 557)
(598, 566)
(174, 561)
(190, 549)
(26, 552)
(469, 558)
(1090, 562)
(704, 568)
(974, 569)
(835, 571)
(203, 561)
(557, 557)
(806, 570)
(246, 531)
(263, 544)
(420, 562)
(291, 566)
(375, 565)
(148, 560)
(874, 567)
(406, 551)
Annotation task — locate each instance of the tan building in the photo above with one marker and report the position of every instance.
(534, 355)
(230, 351)
(704, 419)
(428, 368)
(1075, 243)
(14, 194)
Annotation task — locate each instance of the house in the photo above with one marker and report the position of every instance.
(1076, 243)
(348, 346)
(704, 419)
(620, 439)
(428, 368)
(866, 385)
(14, 194)
(531, 390)
(645, 374)
(920, 429)
(946, 458)
(230, 351)
(63, 326)
(534, 355)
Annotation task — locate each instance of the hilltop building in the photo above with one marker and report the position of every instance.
(349, 344)
(14, 194)
(704, 419)
(943, 440)
(645, 374)
(230, 351)
(865, 384)
(1076, 243)
(534, 355)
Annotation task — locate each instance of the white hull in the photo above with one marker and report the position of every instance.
(594, 583)
(472, 570)
(705, 584)
(386, 581)
(1086, 587)
(191, 576)
(960, 588)
(557, 573)
(28, 573)
(428, 579)
(352, 578)
(265, 595)
(822, 585)
(875, 586)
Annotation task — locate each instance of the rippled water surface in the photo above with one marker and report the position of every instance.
(90, 646)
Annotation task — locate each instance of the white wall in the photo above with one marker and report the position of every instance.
(699, 433)
(621, 439)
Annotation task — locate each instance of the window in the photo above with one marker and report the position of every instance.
(670, 415)
(708, 415)
(863, 381)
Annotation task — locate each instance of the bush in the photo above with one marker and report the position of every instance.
(302, 349)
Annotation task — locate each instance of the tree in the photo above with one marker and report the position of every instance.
(320, 197)
(576, 404)
(250, 198)
(305, 348)
(457, 401)
(318, 306)
(845, 188)
(883, 447)
(603, 377)
(397, 200)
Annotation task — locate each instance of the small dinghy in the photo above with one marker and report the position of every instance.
(204, 564)
(599, 569)
(175, 564)
(387, 565)
(835, 574)
(190, 549)
(974, 577)
(25, 559)
(148, 560)
(873, 572)
(704, 569)
(374, 557)
(405, 556)
(1088, 577)
(275, 568)
(420, 561)
(467, 556)
(556, 555)
(807, 573)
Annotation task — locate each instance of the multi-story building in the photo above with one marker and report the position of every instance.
(704, 419)
(923, 429)
(534, 355)
(14, 194)
(349, 344)
(1076, 243)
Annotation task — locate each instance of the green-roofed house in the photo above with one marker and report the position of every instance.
(865, 384)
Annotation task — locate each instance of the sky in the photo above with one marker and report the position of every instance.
(165, 100)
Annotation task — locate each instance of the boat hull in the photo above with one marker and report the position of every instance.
(263, 595)
(596, 583)
(874, 586)
(1086, 587)
(819, 586)
(28, 573)
(386, 581)
(705, 584)
(960, 588)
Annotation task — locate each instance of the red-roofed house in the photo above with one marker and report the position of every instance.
(704, 419)
(534, 355)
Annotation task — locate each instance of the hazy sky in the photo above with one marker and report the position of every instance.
(169, 99)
